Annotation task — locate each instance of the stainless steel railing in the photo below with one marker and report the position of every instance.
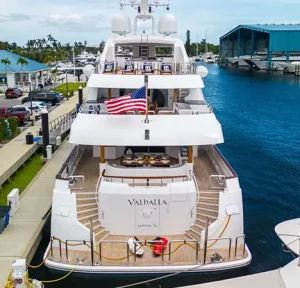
(146, 243)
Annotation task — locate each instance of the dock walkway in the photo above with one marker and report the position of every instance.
(15, 153)
(25, 226)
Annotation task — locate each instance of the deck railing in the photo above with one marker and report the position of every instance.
(148, 67)
(135, 180)
(145, 243)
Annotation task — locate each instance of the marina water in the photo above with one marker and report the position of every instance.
(260, 116)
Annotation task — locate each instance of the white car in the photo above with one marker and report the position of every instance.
(36, 110)
(41, 105)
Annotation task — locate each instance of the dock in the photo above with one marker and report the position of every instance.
(266, 279)
(15, 153)
(21, 237)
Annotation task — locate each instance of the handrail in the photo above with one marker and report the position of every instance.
(185, 242)
(96, 196)
(236, 243)
(223, 238)
(146, 243)
(65, 165)
(227, 163)
(143, 177)
(198, 192)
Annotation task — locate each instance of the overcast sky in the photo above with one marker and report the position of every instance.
(79, 20)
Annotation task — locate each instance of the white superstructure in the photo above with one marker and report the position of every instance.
(138, 177)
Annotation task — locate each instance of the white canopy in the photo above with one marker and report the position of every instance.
(175, 81)
(137, 81)
(116, 81)
(129, 130)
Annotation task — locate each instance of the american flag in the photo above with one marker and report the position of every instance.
(130, 102)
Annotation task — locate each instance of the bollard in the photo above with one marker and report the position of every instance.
(80, 95)
(45, 131)
(49, 152)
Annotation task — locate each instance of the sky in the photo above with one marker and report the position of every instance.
(90, 20)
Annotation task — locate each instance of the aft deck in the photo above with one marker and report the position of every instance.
(88, 167)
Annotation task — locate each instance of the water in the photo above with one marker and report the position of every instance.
(259, 113)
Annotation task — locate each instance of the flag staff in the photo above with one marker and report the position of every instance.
(146, 120)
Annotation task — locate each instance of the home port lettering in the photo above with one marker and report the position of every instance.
(143, 202)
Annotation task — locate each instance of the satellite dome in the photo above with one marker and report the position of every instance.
(167, 24)
(202, 71)
(121, 24)
(88, 70)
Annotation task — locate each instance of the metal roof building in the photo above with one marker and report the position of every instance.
(32, 66)
(14, 75)
(273, 38)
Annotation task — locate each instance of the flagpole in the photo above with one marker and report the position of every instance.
(147, 120)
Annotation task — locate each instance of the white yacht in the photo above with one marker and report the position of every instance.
(290, 67)
(209, 57)
(146, 192)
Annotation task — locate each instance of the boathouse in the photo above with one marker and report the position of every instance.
(272, 39)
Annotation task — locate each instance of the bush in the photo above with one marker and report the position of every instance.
(2, 129)
(13, 125)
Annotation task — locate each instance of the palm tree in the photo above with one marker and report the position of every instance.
(22, 62)
(6, 62)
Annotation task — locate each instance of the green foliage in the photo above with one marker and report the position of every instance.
(2, 129)
(48, 59)
(13, 125)
(22, 178)
(164, 50)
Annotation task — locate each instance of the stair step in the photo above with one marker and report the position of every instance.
(196, 228)
(88, 217)
(87, 195)
(88, 206)
(212, 200)
(211, 206)
(101, 236)
(200, 223)
(202, 217)
(207, 212)
(209, 194)
(193, 235)
(98, 229)
(86, 213)
(95, 221)
(82, 201)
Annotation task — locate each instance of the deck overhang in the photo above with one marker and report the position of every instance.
(131, 130)
(137, 81)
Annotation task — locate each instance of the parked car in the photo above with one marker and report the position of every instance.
(13, 93)
(37, 103)
(20, 112)
(48, 97)
(34, 110)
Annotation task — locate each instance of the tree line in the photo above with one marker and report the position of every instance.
(49, 49)
(191, 48)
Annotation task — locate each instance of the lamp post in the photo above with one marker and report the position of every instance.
(67, 87)
(30, 95)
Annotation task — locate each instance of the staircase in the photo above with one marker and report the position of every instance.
(207, 207)
(182, 94)
(87, 209)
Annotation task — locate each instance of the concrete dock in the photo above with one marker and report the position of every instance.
(260, 280)
(16, 152)
(25, 226)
